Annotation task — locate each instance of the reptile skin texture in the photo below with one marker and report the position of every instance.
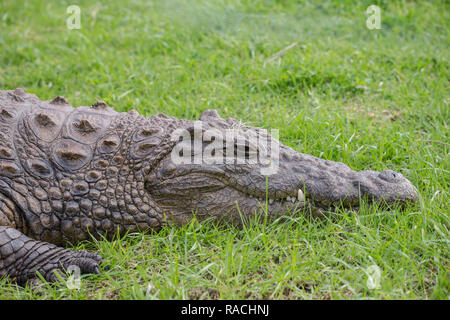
(70, 174)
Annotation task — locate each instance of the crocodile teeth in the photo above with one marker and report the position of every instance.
(300, 195)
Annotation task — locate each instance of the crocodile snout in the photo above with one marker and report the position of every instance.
(389, 186)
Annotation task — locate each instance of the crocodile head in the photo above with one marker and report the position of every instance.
(221, 168)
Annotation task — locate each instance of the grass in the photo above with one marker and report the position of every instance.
(374, 99)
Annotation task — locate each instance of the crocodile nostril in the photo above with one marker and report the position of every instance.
(389, 175)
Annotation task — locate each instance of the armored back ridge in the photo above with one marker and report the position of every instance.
(67, 174)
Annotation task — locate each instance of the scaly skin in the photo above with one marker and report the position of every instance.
(67, 174)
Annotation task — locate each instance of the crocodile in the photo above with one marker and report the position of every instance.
(72, 174)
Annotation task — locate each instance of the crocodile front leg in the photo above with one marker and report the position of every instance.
(22, 257)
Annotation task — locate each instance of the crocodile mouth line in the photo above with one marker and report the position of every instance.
(299, 198)
(220, 181)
